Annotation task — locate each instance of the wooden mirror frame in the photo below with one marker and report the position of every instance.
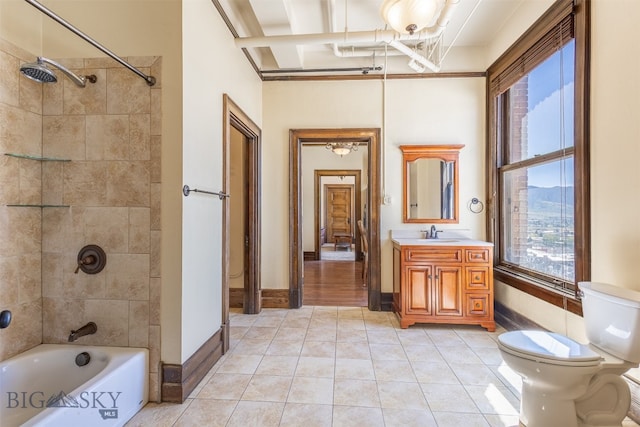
(449, 153)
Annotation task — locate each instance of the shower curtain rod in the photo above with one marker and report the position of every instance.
(149, 79)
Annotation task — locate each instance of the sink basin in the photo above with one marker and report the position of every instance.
(435, 241)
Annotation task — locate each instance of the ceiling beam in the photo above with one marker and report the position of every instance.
(276, 18)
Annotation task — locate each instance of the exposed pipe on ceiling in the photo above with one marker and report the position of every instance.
(420, 62)
(51, 14)
(375, 36)
(352, 51)
(415, 56)
(384, 36)
(390, 37)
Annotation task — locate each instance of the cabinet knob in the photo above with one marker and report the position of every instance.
(476, 278)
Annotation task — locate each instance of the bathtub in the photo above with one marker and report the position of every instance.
(45, 386)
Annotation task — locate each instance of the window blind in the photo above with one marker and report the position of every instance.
(553, 40)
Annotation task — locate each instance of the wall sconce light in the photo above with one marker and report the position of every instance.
(408, 16)
(342, 148)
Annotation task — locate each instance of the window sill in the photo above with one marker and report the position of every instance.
(559, 299)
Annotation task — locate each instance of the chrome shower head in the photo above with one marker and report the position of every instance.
(39, 72)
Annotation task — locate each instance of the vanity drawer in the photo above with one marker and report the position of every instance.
(437, 254)
(477, 305)
(477, 255)
(477, 278)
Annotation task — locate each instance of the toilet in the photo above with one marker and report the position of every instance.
(569, 384)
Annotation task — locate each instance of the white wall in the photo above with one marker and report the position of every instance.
(615, 143)
(205, 79)
(528, 12)
(422, 111)
(615, 176)
(21, 24)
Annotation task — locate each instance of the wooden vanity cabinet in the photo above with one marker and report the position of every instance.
(443, 284)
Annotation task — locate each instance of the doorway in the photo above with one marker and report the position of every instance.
(320, 137)
(241, 211)
(322, 231)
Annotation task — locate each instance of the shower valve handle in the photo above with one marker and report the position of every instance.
(89, 259)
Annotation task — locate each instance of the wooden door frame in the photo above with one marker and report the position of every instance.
(318, 174)
(234, 117)
(365, 136)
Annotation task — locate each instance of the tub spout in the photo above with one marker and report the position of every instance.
(88, 329)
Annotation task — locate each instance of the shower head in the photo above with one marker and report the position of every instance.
(39, 72)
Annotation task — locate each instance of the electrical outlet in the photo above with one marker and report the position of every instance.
(387, 200)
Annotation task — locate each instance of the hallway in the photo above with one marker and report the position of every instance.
(334, 283)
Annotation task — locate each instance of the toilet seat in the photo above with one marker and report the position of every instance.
(548, 347)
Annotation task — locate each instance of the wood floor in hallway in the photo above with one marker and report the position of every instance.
(334, 283)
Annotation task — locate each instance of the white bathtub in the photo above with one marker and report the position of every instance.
(107, 391)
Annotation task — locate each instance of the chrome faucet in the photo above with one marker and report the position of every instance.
(88, 329)
(431, 233)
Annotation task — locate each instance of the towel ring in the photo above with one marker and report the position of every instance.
(472, 205)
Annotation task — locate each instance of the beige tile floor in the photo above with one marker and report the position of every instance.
(344, 366)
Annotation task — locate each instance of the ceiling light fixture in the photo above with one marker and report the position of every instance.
(408, 16)
(342, 148)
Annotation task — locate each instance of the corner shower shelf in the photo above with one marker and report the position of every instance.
(37, 158)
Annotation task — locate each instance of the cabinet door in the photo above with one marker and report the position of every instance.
(448, 287)
(418, 292)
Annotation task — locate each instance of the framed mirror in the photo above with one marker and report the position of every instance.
(430, 183)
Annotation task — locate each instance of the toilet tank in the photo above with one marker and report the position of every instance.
(612, 319)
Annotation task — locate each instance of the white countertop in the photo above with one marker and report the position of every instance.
(440, 242)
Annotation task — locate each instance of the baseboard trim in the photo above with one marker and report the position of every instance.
(511, 320)
(271, 298)
(178, 381)
(275, 298)
(386, 301)
(236, 297)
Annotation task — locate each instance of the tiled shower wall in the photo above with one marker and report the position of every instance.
(103, 190)
(20, 183)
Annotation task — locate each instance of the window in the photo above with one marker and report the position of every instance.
(539, 155)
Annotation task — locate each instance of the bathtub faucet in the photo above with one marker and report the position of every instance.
(88, 329)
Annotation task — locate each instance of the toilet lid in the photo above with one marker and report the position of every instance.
(548, 346)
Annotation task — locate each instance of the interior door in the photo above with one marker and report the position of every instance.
(338, 207)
